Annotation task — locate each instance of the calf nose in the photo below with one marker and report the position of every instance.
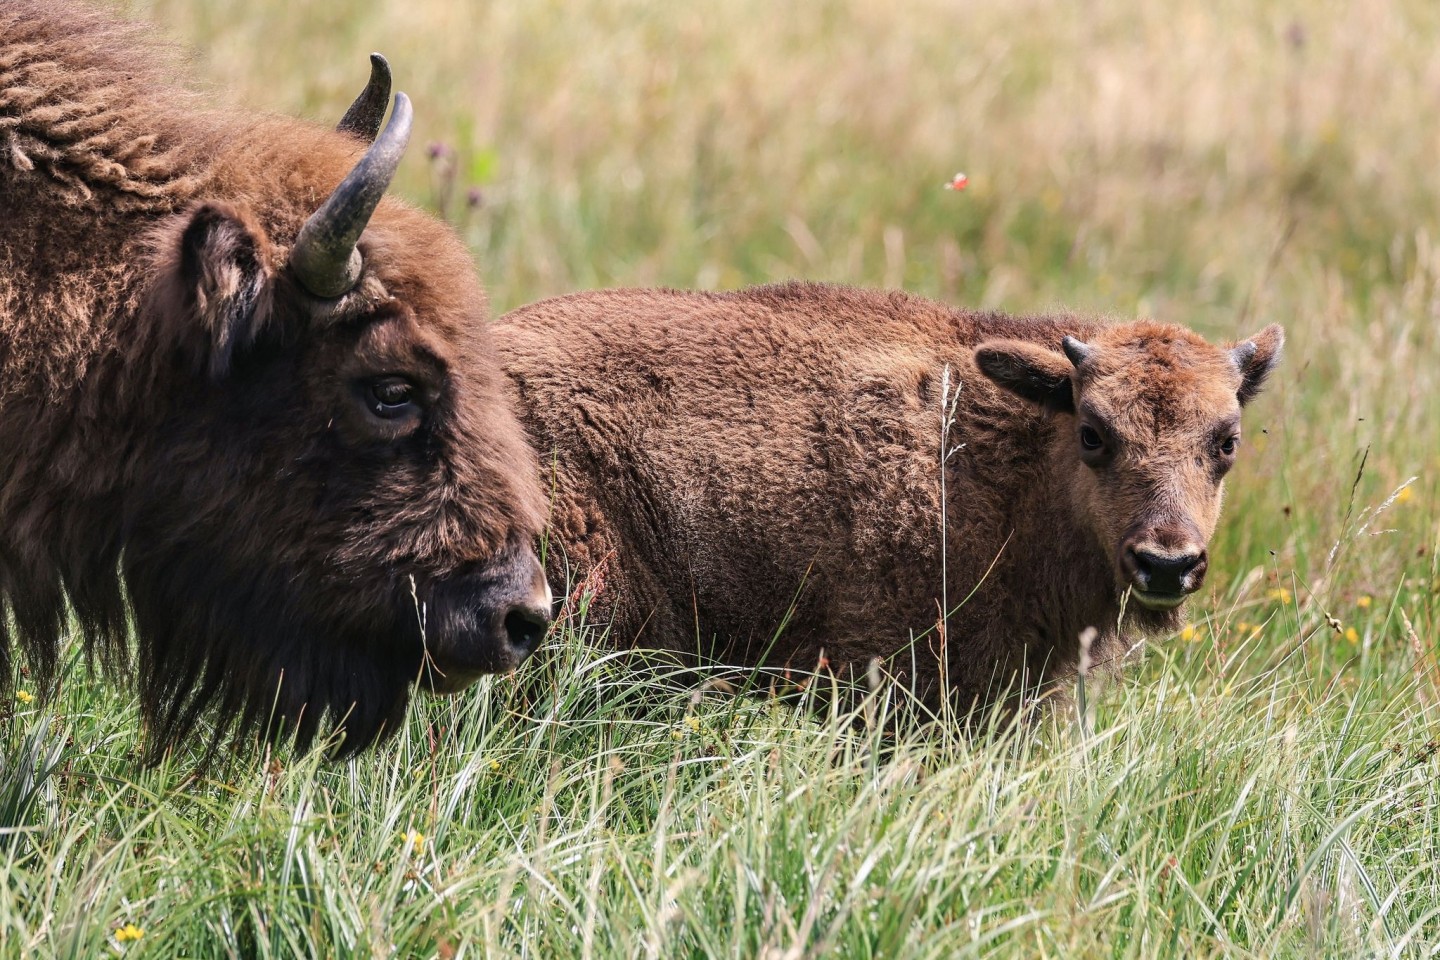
(1169, 573)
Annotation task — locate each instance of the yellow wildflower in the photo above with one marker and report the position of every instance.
(128, 933)
(693, 723)
(1188, 633)
(1363, 602)
(1279, 594)
(1405, 494)
(1352, 635)
(24, 696)
(414, 838)
(495, 765)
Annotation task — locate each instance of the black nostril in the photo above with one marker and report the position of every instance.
(526, 627)
(1165, 573)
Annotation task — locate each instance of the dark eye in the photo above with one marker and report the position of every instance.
(390, 397)
(1228, 445)
(1090, 438)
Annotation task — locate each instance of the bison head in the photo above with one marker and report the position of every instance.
(331, 499)
(1150, 425)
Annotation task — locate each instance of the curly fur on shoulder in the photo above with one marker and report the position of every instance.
(84, 100)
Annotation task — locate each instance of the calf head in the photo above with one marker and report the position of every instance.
(332, 500)
(1149, 424)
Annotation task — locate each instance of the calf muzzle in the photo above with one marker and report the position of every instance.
(1161, 577)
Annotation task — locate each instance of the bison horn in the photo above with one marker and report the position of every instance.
(363, 118)
(1076, 350)
(325, 258)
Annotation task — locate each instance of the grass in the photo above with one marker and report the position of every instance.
(1240, 810)
(1261, 785)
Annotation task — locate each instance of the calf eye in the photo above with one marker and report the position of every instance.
(1090, 438)
(390, 397)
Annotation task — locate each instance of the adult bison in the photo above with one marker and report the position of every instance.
(245, 400)
(757, 476)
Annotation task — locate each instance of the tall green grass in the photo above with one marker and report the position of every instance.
(1260, 785)
(1210, 806)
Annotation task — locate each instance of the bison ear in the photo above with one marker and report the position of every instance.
(1256, 358)
(225, 281)
(1029, 371)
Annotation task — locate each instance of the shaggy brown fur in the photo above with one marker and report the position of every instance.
(183, 426)
(725, 464)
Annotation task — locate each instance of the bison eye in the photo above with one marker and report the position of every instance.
(1090, 438)
(391, 397)
(1228, 445)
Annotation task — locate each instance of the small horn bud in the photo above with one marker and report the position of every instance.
(1076, 350)
(363, 118)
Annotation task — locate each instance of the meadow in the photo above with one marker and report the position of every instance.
(1262, 784)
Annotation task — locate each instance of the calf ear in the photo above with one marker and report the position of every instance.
(1029, 371)
(1255, 358)
(225, 281)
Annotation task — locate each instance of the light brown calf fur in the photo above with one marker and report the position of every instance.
(725, 463)
(290, 465)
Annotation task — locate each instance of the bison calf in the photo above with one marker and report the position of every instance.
(245, 400)
(757, 477)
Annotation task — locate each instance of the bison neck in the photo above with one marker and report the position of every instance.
(1024, 578)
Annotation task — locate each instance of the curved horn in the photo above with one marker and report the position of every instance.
(363, 118)
(1078, 351)
(324, 257)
